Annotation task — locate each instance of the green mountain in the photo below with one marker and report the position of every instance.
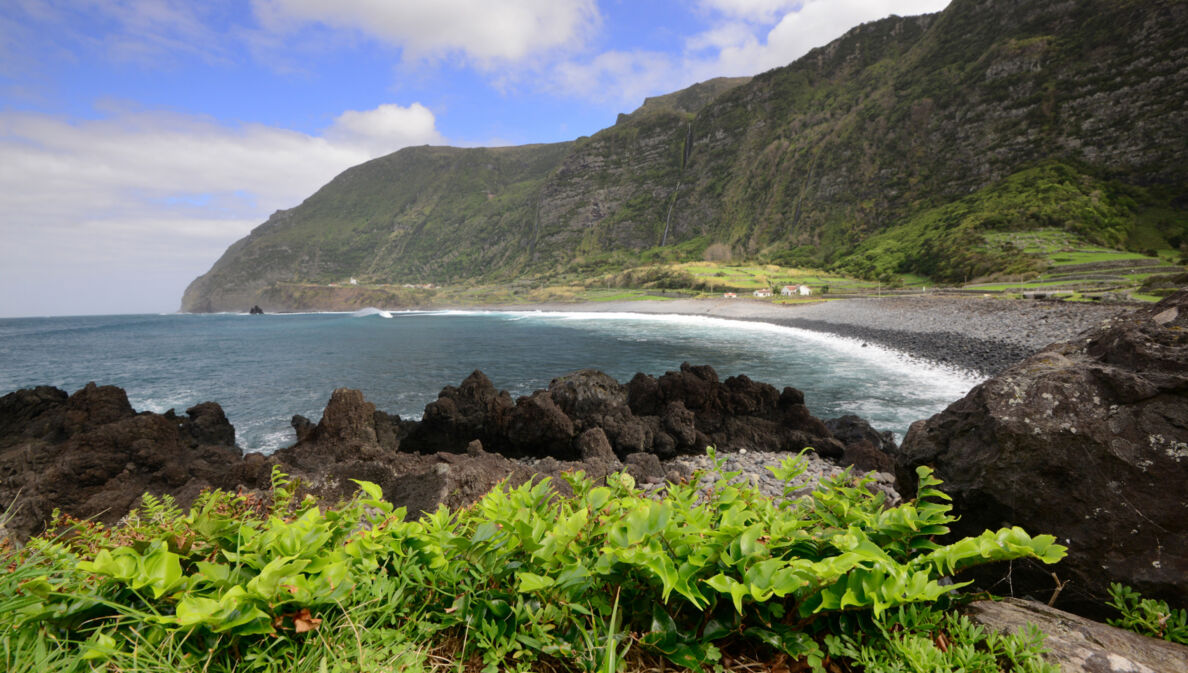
(892, 149)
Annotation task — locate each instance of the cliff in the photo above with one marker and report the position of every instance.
(993, 114)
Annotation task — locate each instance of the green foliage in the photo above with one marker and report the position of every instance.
(948, 243)
(244, 583)
(1147, 616)
(920, 638)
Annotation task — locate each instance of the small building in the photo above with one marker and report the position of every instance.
(354, 281)
(730, 295)
(804, 290)
(793, 290)
(763, 292)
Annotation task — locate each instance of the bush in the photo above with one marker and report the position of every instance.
(524, 575)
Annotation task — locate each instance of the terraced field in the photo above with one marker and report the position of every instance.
(1077, 268)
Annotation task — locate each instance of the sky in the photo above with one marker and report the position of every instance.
(140, 138)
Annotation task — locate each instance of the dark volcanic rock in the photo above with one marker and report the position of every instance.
(866, 448)
(91, 455)
(1088, 441)
(474, 410)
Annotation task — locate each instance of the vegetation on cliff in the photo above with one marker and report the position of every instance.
(895, 148)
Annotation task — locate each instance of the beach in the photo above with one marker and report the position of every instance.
(983, 335)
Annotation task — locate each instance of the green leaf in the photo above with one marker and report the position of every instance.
(373, 491)
(162, 572)
(528, 582)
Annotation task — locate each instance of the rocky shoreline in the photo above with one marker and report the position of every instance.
(1084, 440)
(982, 335)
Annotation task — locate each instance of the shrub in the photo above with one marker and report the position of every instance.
(245, 583)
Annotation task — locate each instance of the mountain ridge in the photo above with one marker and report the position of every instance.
(801, 164)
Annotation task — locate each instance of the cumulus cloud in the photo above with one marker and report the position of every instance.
(484, 32)
(616, 76)
(160, 193)
(808, 24)
(743, 37)
(386, 127)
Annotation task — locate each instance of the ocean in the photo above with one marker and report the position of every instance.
(265, 369)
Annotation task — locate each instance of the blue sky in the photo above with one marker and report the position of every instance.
(140, 138)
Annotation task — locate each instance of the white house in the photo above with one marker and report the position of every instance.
(763, 292)
(791, 290)
(354, 281)
(730, 295)
(804, 290)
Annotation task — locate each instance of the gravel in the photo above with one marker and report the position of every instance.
(983, 335)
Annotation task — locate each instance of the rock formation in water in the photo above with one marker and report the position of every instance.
(1086, 440)
(92, 455)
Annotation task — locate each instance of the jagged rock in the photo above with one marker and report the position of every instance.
(536, 426)
(474, 410)
(866, 448)
(91, 455)
(587, 393)
(1079, 645)
(644, 467)
(346, 432)
(596, 451)
(1088, 441)
(303, 427)
(209, 425)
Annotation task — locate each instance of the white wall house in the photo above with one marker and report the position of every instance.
(765, 292)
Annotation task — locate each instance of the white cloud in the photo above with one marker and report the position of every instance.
(754, 10)
(483, 31)
(616, 76)
(799, 27)
(386, 127)
(744, 37)
(99, 199)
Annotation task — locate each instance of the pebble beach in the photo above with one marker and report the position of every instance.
(982, 335)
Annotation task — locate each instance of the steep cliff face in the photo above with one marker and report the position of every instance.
(905, 113)
(802, 163)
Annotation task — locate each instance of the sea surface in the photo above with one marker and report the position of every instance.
(265, 369)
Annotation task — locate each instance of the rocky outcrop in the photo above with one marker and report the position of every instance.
(92, 455)
(866, 449)
(681, 412)
(1086, 440)
(1079, 645)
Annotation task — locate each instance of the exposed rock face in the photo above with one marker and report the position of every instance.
(1079, 645)
(680, 412)
(1088, 441)
(866, 448)
(857, 136)
(93, 455)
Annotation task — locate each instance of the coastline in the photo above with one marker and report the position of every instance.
(982, 335)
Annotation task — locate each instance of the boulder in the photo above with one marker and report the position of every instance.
(92, 456)
(1079, 645)
(474, 410)
(1086, 440)
(866, 449)
(537, 427)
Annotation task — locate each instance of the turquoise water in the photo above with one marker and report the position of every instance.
(264, 369)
